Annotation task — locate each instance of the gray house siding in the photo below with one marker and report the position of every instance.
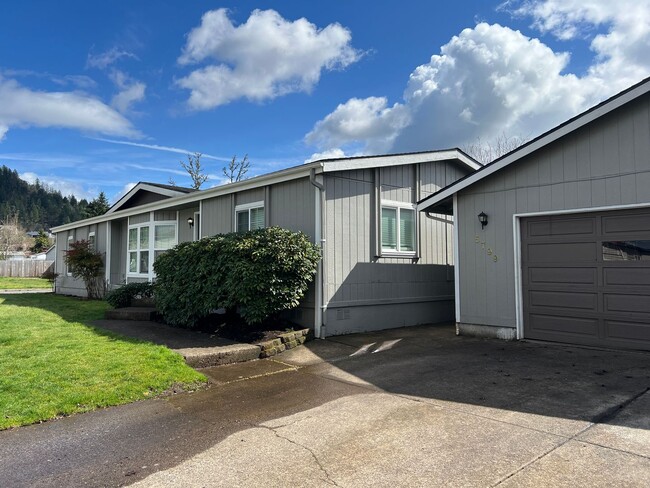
(118, 251)
(365, 290)
(217, 215)
(66, 284)
(185, 232)
(605, 163)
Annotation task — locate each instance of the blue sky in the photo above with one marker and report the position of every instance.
(99, 95)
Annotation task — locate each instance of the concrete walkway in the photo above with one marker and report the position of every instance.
(407, 407)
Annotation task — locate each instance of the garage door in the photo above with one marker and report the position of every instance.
(586, 278)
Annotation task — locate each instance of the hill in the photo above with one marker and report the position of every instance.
(38, 207)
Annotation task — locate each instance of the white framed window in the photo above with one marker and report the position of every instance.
(249, 216)
(68, 270)
(147, 241)
(91, 239)
(398, 228)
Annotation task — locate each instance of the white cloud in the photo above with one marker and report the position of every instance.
(66, 187)
(330, 154)
(369, 120)
(266, 57)
(105, 59)
(22, 107)
(491, 80)
(131, 91)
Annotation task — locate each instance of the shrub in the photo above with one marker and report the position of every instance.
(258, 273)
(85, 263)
(123, 296)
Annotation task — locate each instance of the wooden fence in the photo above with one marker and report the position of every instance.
(25, 268)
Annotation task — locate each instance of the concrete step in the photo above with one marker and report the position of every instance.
(131, 313)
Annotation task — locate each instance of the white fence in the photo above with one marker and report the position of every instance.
(25, 268)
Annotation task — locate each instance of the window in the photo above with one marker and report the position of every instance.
(249, 216)
(398, 228)
(146, 242)
(91, 240)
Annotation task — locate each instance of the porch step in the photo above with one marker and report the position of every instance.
(131, 313)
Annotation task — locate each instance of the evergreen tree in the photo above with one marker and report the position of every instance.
(99, 206)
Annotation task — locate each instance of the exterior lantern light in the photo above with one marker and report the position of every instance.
(483, 219)
(190, 221)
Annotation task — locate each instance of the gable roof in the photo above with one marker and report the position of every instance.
(441, 197)
(292, 173)
(167, 191)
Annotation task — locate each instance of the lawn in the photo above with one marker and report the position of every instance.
(23, 283)
(51, 364)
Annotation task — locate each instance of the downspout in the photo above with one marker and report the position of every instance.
(319, 307)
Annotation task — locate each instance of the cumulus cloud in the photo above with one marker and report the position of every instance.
(125, 189)
(490, 80)
(331, 154)
(66, 187)
(22, 107)
(266, 57)
(130, 91)
(107, 58)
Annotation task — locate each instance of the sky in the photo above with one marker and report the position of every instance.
(96, 96)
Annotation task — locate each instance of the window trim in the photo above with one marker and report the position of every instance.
(398, 206)
(247, 207)
(68, 271)
(151, 248)
(94, 242)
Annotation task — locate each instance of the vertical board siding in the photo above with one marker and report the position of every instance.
(605, 163)
(119, 237)
(354, 274)
(185, 232)
(250, 196)
(139, 219)
(292, 206)
(161, 215)
(217, 217)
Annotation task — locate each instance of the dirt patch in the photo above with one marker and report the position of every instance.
(235, 329)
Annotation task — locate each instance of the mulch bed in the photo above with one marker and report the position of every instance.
(235, 329)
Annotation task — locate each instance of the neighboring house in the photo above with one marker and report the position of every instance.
(50, 254)
(565, 253)
(384, 264)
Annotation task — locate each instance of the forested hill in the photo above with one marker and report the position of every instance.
(38, 207)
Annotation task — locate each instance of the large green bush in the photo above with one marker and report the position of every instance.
(256, 273)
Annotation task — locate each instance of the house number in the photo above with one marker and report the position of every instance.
(488, 250)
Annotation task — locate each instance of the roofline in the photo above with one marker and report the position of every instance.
(267, 179)
(143, 185)
(571, 125)
(295, 172)
(382, 160)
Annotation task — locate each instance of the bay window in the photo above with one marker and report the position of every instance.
(146, 242)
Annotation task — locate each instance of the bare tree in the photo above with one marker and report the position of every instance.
(193, 168)
(236, 170)
(486, 152)
(171, 181)
(12, 236)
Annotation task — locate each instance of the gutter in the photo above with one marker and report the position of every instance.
(319, 307)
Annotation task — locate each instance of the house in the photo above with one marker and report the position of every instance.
(552, 241)
(384, 264)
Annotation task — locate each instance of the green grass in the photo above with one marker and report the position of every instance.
(23, 283)
(51, 364)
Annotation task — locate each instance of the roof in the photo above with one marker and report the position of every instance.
(441, 197)
(295, 172)
(164, 190)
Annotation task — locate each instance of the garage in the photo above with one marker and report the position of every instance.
(586, 278)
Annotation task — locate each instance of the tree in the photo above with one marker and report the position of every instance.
(236, 170)
(85, 263)
(12, 235)
(99, 206)
(193, 168)
(486, 152)
(41, 242)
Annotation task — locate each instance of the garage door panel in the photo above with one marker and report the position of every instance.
(566, 227)
(567, 275)
(626, 303)
(565, 325)
(626, 223)
(566, 252)
(566, 299)
(626, 276)
(629, 331)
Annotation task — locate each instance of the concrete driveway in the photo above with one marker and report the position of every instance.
(406, 407)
